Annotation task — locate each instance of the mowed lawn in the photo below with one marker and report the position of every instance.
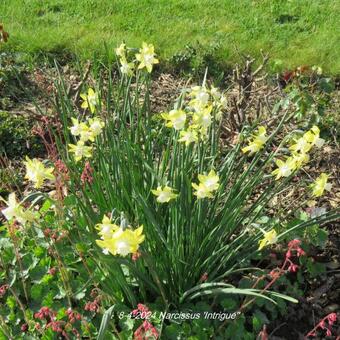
(294, 32)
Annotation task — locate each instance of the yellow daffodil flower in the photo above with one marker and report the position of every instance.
(302, 145)
(253, 147)
(188, 136)
(203, 118)
(313, 137)
(269, 238)
(96, 126)
(106, 228)
(207, 185)
(202, 191)
(257, 142)
(15, 212)
(308, 140)
(126, 67)
(76, 128)
(123, 242)
(86, 133)
(37, 172)
(175, 119)
(320, 185)
(300, 159)
(164, 195)
(120, 50)
(200, 97)
(146, 57)
(80, 150)
(210, 181)
(90, 100)
(284, 169)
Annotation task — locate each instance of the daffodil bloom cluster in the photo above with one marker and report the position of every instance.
(86, 132)
(164, 194)
(146, 58)
(299, 153)
(207, 185)
(269, 238)
(37, 172)
(200, 98)
(118, 241)
(304, 144)
(219, 102)
(90, 100)
(257, 142)
(204, 104)
(320, 185)
(194, 120)
(16, 212)
(125, 66)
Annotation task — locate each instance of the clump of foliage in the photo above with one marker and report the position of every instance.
(310, 92)
(153, 215)
(16, 137)
(13, 79)
(195, 59)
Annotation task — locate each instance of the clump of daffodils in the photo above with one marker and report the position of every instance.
(16, 212)
(299, 153)
(146, 58)
(86, 132)
(207, 185)
(119, 241)
(299, 156)
(37, 173)
(126, 67)
(202, 108)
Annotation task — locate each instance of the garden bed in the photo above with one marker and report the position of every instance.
(41, 273)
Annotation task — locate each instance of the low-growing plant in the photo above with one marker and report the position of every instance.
(17, 138)
(157, 209)
(13, 78)
(309, 91)
(196, 58)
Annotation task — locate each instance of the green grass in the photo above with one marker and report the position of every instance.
(295, 32)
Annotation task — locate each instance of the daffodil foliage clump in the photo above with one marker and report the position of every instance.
(167, 201)
(166, 208)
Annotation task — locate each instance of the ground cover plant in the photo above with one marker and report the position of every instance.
(138, 215)
(294, 32)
